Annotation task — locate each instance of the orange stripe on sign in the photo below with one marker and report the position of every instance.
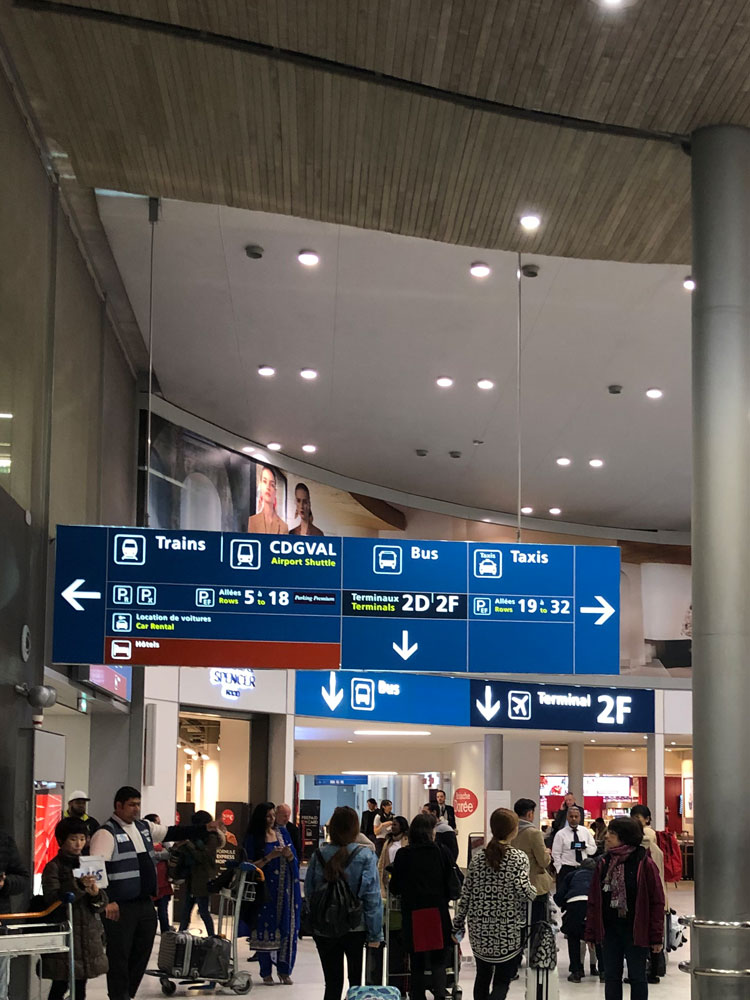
(223, 653)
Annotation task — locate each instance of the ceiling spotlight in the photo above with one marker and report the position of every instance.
(555, 511)
(674, 744)
(632, 749)
(476, 442)
(530, 222)
(596, 463)
(6, 416)
(485, 383)
(654, 393)
(689, 283)
(592, 741)
(266, 371)
(421, 452)
(557, 748)
(563, 460)
(310, 448)
(274, 446)
(309, 374)
(308, 257)
(454, 454)
(527, 510)
(248, 449)
(444, 382)
(611, 3)
(253, 251)
(487, 520)
(479, 270)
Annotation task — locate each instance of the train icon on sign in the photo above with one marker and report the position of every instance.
(386, 559)
(488, 563)
(244, 554)
(130, 550)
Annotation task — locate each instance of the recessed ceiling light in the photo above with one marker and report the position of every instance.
(308, 257)
(674, 744)
(309, 374)
(555, 511)
(527, 510)
(266, 371)
(248, 450)
(6, 416)
(632, 749)
(310, 448)
(557, 748)
(689, 283)
(654, 393)
(596, 463)
(485, 383)
(592, 741)
(479, 270)
(378, 773)
(274, 446)
(563, 460)
(530, 222)
(391, 732)
(445, 382)
(487, 520)
(611, 3)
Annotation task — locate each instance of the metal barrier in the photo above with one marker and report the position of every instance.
(733, 925)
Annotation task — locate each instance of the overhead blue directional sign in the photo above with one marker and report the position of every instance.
(458, 701)
(144, 596)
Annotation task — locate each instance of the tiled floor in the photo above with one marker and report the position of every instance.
(308, 978)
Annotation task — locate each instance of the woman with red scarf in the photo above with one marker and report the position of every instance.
(625, 909)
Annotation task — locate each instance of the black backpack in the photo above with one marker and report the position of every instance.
(334, 909)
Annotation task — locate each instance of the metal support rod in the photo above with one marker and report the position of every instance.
(519, 442)
(721, 543)
(153, 218)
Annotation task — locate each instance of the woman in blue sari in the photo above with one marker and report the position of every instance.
(274, 935)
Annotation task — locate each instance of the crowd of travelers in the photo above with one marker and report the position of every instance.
(607, 881)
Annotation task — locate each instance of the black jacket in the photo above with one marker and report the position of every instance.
(17, 878)
(450, 815)
(421, 877)
(367, 822)
(561, 818)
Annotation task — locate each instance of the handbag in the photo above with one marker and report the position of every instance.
(427, 929)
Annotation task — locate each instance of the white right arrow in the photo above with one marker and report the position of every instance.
(72, 595)
(486, 708)
(605, 610)
(332, 697)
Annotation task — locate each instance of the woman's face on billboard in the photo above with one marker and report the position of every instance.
(302, 499)
(268, 488)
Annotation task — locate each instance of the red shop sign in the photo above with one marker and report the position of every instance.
(227, 817)
(465, 802)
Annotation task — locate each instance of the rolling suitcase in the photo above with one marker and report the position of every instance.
(374, 992)
(176, 954)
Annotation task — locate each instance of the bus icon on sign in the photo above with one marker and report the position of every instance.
(386, 559)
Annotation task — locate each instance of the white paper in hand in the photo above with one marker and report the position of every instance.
(93, 866)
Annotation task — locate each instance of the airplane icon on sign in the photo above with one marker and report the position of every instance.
(519, 705)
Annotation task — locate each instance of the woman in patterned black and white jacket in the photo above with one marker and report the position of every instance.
(494, 898)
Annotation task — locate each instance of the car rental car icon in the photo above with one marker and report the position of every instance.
(487, 567)
(129, 549)
(387, 559)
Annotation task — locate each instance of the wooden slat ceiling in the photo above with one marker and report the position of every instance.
(144, 111)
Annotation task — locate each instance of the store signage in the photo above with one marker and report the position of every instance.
(117, 680)
(227, 817)
(465, 803)
(232, 682)
(215, 599)
(341, 779)
(461, 701)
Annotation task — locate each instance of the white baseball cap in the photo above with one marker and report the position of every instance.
(78, 794)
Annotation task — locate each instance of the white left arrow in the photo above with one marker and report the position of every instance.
(332, 697)
(604, 610)
(73, 595)
(487, 708)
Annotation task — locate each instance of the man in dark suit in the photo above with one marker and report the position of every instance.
(444, 810)
(283, 818)
(368, 819)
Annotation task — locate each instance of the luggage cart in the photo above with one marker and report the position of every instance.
(243, 889)
(20, 936)
(392, 907)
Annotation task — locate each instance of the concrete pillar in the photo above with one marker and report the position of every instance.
(493, 761)
(575, 770)
(721, 542)
(655, 774)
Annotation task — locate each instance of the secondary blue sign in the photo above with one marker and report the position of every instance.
(211, 599)
(341, 779)
(458, 701)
